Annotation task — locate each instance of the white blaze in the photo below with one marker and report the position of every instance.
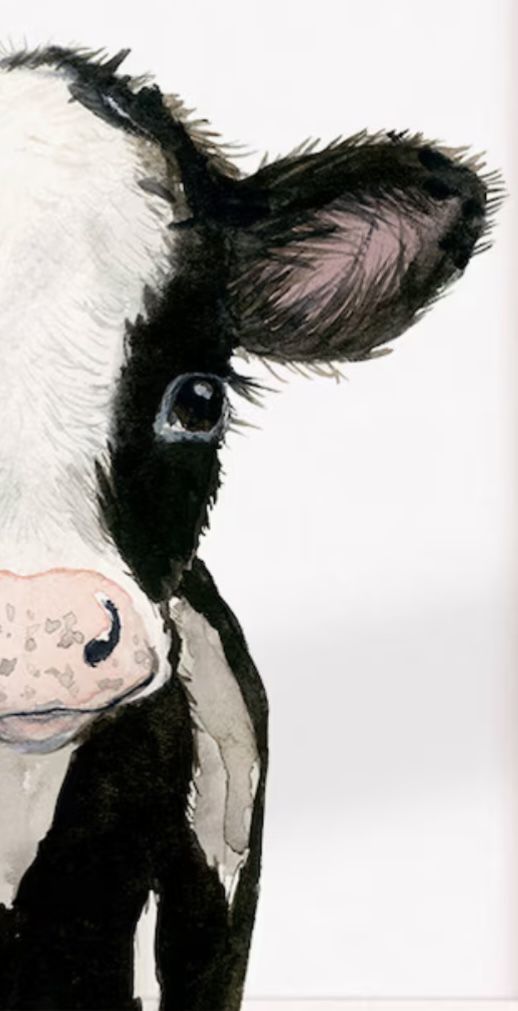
(80, 240)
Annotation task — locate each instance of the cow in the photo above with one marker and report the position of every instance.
(136, 261)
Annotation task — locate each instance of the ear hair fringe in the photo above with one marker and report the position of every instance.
(461, 156)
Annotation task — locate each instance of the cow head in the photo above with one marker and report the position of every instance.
(134, 261)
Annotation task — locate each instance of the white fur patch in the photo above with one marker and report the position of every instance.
(29, 788)
(226, 772)
(145, 982)
(80, 241)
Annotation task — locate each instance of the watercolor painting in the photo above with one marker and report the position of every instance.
(133, 723)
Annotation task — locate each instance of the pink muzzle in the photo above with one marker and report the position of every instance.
(71, 645)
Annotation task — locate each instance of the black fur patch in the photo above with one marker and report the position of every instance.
(156, 495)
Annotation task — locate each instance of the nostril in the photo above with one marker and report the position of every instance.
(100, 649)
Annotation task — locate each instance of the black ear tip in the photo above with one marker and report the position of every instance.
(438, 189)
(461, 241)
(451, 175)
(462, 258)
(473, 208)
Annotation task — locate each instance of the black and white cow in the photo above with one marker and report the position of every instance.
(134, 261)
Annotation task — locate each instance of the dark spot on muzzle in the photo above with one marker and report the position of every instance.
(100, 649)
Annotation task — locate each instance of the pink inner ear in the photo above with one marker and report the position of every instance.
(364, 258)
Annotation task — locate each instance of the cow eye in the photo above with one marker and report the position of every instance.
(194, 408)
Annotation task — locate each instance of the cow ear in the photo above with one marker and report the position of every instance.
(345, 247)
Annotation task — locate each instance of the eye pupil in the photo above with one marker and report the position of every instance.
(194, 408)
(197, 405)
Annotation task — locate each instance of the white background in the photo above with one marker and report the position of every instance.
(364, 536)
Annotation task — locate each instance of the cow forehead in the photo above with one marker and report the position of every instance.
(72, 202)
(81, 240)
